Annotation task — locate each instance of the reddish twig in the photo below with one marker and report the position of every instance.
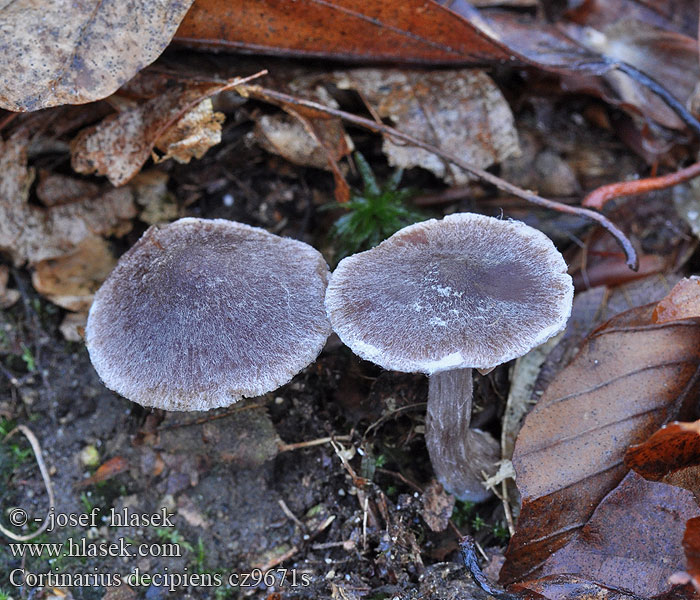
(602, 195)
(282, 99)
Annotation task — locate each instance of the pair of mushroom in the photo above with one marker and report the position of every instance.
(203, 312)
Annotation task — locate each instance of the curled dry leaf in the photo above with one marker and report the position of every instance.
(120, 144)
(630, 377)
(633, 539)
(437, 506)
(287, 137)
(460, 111)
(667, 57)
(64, 52)
(675, 446)
(31, 234)
(105, 471)
(683, 302)
(195, 132)
(691, 545)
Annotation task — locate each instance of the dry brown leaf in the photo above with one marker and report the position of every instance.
(54, 189)
(630, 377)
(683, 302)
(152, 195)
(691, 545)
(633, 539)
(460, 111)
(437, 506)
(194, 133)
(287, 137)
(105, 471)
(417, 31)
(120, 144)
(31, 234)
(675, 446)
(591, 309)
(63, 52)
(71, 281)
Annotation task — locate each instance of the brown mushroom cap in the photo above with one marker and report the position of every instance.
(465, 291)
(202, 312)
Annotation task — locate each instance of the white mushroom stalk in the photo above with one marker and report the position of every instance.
(200, 313)
(444, 297)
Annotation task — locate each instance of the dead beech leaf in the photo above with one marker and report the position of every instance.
(630, 377)
(460, 111)
(691, 545)
(54, 189)
(31, 234)
(287, 137)
(411, 30)
(592, 308)
(633, 539)
(71, 281)
(195, 132)
(120, 144)
(568, 587)
(437, 506)
(64, 52)
(675, 446)
(683, 302)
(629, 548)
(105, 471)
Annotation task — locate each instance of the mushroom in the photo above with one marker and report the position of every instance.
(442, 297)
(199, 313)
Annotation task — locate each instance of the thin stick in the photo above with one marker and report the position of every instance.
(284, 447)
(294, 549)
(282, 99)
(391, 415)
(600, 196)
(290, 514)
(661, 92)
(36, 447)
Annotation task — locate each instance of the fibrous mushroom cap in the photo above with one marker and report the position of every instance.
(200, 313)
(465, 291)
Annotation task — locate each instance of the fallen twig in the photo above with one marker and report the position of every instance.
(281, 99)
(284, 447)
(599, 197)
(468, 547)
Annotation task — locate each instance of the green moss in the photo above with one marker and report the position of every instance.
(373, 214)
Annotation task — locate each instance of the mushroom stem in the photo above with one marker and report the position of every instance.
(459, 455)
